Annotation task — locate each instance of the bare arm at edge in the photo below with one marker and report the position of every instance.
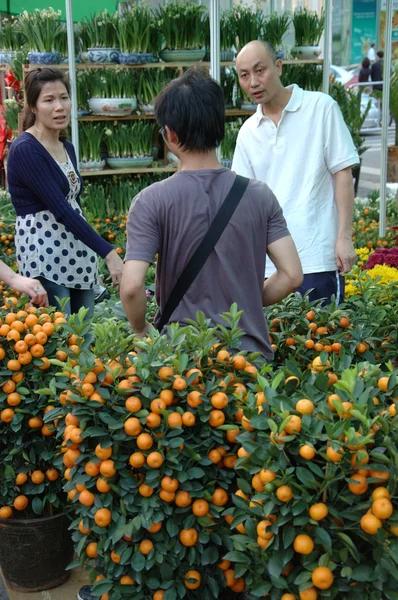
(289, 273)
(344, 195)
(133, 296)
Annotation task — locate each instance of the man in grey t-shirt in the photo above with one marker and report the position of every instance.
(170, 219)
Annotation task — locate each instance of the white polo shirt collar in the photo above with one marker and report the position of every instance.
(294, 103)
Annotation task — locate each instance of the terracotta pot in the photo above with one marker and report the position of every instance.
(392, 164)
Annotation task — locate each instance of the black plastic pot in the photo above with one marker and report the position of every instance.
(34, 553)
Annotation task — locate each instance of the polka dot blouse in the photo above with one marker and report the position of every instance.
(47, 248)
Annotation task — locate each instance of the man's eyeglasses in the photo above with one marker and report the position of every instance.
(162, 132)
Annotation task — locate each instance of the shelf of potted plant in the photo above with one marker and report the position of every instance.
(100, 34)
(132, 171)
(11, 40)
(308, 29)
(182, 26)
(149, 85)
(138, 38)
(229, 142)
(275, 28)
(43, 34)
(129, 146)
(112, 92)
(91, 138)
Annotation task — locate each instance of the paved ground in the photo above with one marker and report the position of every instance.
(370, 170)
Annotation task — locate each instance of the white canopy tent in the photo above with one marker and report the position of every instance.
(215, 72)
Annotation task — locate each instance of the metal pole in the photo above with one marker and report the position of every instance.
(72, 75)
(385, 118)
(327, 46)
(215, 40)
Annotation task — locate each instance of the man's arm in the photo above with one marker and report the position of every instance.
(289, 273)
(133, 296)
(344, 194)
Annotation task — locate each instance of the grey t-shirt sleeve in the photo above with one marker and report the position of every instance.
(143, 239)
(277, 227)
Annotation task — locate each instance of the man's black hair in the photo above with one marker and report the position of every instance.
(193, 107)
(380, 54)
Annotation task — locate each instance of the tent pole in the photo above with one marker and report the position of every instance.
(215, 55)
(326, 46)
(215, 40)
(385, 118)
(72, 75)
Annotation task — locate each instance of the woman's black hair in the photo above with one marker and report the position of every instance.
(34, 82)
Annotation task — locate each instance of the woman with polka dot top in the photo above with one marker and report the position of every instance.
(54, 242)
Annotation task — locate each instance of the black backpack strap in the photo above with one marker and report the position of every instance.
(204, 249)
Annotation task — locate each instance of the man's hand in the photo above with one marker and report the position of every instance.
(345, 254)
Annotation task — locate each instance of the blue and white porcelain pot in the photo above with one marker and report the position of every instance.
(7, 57)
(44, 58)
(135, 58)
(103, 56)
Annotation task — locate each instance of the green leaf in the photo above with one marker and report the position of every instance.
(362, 573)
(238, 557)
(260, 589)
(347, 541)
(244, 485)
(210, 556)
(275, 565)
(323, 537)
(138, 561)
(37, 505)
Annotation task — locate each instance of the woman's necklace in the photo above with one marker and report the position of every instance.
(71, 175)
(53, 151)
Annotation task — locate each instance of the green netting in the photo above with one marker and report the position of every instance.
(80, 9)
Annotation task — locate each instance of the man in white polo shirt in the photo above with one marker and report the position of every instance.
(298, 144)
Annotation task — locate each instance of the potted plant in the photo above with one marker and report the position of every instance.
(149, 84)
(35, 543)
(182, 27)
(308, 29)
(130, 145)
(392, 172)
(100, 34)
(229, 84)
(249, 24)
(308, 77)
(82, 92)
(112, 92)
(229, 142)
(10, 109)
(155, 461)
(275, 27)
(227, 35)
(11, 40)
(42, 32)
(91, 137)
(354, 114)
(138, 38)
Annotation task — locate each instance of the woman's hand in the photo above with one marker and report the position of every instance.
(32, 287)
(115, 267)
(26, 285)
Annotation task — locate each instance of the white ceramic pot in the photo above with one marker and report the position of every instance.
(306, 52)
(148, 109)
(91, 165)
(112, 107)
